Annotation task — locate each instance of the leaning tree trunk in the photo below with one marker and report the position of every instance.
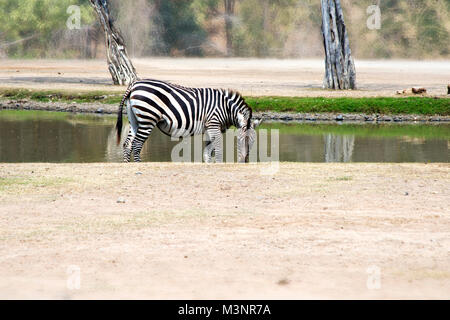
(119, 65)
(339, 66)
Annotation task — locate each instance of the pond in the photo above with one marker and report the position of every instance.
(40, 136)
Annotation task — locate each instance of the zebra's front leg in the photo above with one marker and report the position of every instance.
(215, 135)
(207, 153)
(209, 147)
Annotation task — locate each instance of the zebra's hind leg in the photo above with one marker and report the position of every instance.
(127, 146)
(139, 140)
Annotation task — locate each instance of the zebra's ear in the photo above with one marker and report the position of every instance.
(257, 122)
(241, 120)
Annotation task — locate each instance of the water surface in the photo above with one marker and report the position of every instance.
(40, 136)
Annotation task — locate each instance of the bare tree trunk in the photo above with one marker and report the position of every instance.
(339, 66)
(119, 65)
(229, 12)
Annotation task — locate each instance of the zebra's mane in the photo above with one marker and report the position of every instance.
(232, 92)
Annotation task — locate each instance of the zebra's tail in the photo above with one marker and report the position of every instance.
(120, 113)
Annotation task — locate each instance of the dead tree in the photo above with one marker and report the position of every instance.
(339, 66)
(119, 65)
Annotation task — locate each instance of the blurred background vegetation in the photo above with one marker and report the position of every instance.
(418, 29)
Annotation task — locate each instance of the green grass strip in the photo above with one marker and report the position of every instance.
(381, 105)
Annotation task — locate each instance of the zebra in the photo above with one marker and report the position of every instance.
(180, 111)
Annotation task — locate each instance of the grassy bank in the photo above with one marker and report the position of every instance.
(382, 105)
(61, 96)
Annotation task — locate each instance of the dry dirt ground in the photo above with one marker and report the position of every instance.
(225, 231)
(252, 77)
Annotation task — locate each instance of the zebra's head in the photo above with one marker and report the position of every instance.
(246, 136)
(242, 119)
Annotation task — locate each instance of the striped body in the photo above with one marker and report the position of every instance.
(179, 112)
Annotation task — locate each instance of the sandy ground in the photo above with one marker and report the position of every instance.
(225, 231)
(253, 77)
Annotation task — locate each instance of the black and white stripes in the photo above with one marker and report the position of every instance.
(179, 112)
